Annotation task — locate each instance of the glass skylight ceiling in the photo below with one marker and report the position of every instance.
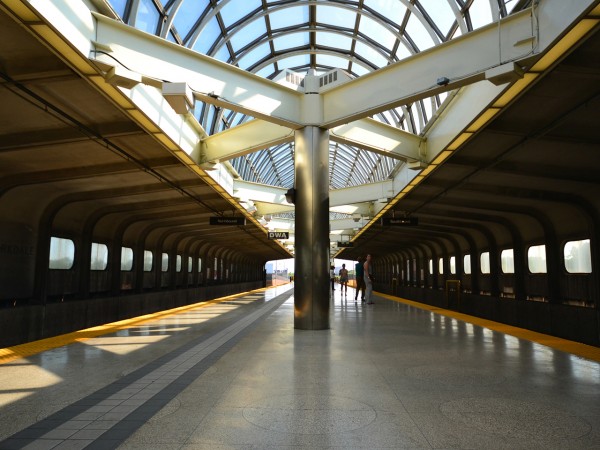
(358, 36)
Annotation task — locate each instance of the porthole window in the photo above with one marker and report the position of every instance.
(189, 265)
(485, 262)
(99, 257)
(126, 259)
(431, 267)
(199, 264)
(453, 265)
(62, 253)
(441, 266)
(467, 264)
(578, 258)
(148, 260)
(536, 259)
(507, 259)
(178, 263)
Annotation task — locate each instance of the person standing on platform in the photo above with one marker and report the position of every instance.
(368, 276)
(360, 279)
(344, 280)
(332, 276)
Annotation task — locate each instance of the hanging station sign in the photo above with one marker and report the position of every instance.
(399, 222)
(218, 220)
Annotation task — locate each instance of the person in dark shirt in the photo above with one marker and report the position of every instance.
(368, 277)
(360, 279)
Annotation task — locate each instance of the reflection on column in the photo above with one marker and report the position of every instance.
(311, 289)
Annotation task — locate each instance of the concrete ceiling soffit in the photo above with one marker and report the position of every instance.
(243, 139)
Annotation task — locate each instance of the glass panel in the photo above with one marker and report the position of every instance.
(334, 40)
(253, 56)
(416, 30)
(294, 61)
(222, 54)
(266, 71)
(126, 259)
(336, 16)
(402, 52)
(252, 30)
(377, 32)
(119, 6)
(332, 61)
(199, 264)
(234, 11)
(536, 259)
(441, 266)
(370, 54)
(99, 257)
(208, 36)
(62, 253)
(187, 15)
(485, 262)
(164, 262)
(148, 260)
(453, 265)
(467, 264)
(189, 265)
(292, 40)
(210, 117)
(359, 69)
(578, 258)
(391, 9)
(288, 17)
(440, 12)
(507, 259)
(178, 263)
(480, 13)
(147, 18)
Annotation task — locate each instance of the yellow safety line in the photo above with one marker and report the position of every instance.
(575, 348)
(32, 348)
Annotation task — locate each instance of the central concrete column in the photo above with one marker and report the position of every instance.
(311, 286)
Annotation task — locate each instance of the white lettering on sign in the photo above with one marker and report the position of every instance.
(279, 235)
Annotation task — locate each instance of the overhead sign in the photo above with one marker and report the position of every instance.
(227, 220)
(345, 244)
(279, 235)
(400, 222)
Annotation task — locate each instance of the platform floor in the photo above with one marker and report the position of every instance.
(234, 374)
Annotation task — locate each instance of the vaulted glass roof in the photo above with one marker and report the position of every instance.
(358, 36)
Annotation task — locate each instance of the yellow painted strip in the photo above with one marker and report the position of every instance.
(576, 348)
(32, 348)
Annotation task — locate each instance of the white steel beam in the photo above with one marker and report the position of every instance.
(210, 80)
(359, 209)
(263, 208)
(345, 227)
(243, 139)
(377, 137)
(362, 193)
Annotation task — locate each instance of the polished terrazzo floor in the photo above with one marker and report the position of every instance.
(236, 375)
